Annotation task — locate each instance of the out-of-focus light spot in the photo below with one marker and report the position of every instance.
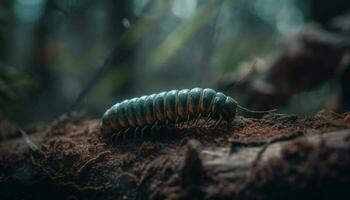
(289, 20)
(282, 14)
(184, 8)
(29, 10)
(126, 23)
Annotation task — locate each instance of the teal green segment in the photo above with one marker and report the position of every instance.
(229, 110)
(159, 106)
(149, 114)
(195, 95)
(140, 110)
(130, 112)
(170, 104)
(182, 107)
(113, 113)
(121, 113)
(218, 106)
(208, 97)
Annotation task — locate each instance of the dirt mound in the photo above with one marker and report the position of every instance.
(69, 160)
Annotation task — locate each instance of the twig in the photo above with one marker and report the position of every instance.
(274, 140)
(91, 161)
(27, 140)
(80, 188)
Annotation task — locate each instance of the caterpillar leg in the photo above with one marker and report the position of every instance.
(207, 120)
(135, 134)
(114, 138)
(155, 125)
(143, 130)
(208, 117)
(154, 129)
(167, 124)
(188, 119)
(124, 133)
(218, 122)
(197, 119)
(177, 120)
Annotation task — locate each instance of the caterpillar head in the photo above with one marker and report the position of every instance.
(229, 109)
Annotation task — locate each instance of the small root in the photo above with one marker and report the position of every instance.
(27, 140)
(91, 161)
(281, 138)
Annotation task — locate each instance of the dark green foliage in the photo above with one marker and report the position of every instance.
(15, 85)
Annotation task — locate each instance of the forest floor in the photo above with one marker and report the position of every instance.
(67, 159)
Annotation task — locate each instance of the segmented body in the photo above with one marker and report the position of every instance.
(166, 108)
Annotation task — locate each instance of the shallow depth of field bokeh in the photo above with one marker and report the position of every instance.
(51, 51)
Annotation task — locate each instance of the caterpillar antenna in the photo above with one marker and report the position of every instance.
(256, 111)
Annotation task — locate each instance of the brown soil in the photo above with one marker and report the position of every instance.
(69, 160)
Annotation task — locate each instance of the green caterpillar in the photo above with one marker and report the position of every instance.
(167, 108)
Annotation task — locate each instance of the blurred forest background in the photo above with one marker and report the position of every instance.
(63, 55)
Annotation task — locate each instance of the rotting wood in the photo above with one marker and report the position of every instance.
(278, 153)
